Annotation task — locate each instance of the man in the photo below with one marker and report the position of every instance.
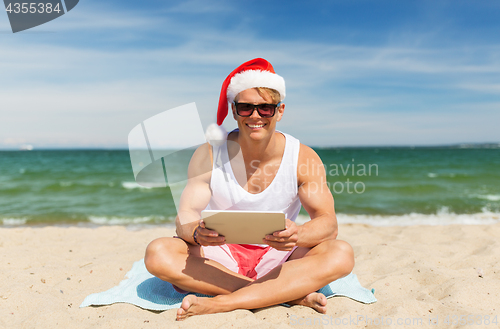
(257, 164)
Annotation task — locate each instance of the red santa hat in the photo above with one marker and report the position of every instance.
(255, 73)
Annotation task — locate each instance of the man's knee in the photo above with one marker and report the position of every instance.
(153, 253)
(339, 257)
(159, 255)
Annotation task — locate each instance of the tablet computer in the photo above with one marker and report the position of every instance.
(244, 227)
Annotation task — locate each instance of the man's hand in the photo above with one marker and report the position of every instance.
(208, 237)
(284, 240)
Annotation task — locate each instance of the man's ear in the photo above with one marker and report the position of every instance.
(281, 110)
(233, 109)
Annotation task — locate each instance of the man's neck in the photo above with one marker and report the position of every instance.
(261, 150)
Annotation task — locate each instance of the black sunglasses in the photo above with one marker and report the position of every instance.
(264, 110)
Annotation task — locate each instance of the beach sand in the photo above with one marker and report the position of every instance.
(419, 273)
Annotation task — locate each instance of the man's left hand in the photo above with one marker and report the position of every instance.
(284, 240)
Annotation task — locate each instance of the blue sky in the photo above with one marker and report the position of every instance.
(357, 72)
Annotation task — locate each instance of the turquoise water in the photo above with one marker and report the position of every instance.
(418, 180)
(80, 186)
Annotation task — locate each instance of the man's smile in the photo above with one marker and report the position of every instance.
(255, 125)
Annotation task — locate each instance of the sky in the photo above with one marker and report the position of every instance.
(358, 73)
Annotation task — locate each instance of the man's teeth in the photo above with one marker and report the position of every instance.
(256, 126)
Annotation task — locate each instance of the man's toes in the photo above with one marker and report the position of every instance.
(187, 302)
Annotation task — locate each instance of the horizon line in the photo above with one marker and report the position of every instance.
(122, 148)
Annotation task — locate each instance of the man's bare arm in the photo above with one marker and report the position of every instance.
(316, 199)
(195, 198)
(196, 194)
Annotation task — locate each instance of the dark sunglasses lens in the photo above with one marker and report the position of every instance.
(266, 110)
(244, 110)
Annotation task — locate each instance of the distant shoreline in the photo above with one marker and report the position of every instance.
(486, 145)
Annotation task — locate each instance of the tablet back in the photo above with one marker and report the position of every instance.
(243, 227)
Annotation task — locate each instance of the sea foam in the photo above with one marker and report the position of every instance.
(489, 197)
(14, 221)
(134, 185)
(103, 220)
(442, 217)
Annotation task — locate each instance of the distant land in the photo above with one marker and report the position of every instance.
(453, 146)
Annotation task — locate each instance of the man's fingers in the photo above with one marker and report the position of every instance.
(270, 238)
(207, 237)
(216, 239)
(275, 238)
(290, 231)
(211, 240)
(280, 246)
(281, 238)
(281, 233)
(207, 232)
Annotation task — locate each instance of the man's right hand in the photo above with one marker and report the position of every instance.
(208, 237)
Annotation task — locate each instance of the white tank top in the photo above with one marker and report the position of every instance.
(280, 195)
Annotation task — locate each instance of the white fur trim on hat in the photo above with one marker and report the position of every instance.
(215, 134)
(255, 78)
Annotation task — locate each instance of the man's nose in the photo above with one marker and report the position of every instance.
(255, 114)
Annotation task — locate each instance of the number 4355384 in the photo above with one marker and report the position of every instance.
(32, 8)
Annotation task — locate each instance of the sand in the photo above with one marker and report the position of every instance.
(444, 274)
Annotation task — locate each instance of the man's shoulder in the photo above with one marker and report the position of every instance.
(309, 164)
(202, 154)
(306, 152)
(201, 161)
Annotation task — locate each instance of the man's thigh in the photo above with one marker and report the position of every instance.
(324, 247)
(298, 253)
(188, 248)
(327, 248)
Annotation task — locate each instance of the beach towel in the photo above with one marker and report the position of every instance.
(142, 289)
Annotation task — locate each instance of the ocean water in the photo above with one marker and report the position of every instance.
(378, 186)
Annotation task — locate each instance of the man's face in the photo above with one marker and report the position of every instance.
(254, 125)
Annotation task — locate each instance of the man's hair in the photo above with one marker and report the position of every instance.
(267, 93)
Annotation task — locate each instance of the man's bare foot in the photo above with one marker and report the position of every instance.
(314, 300)
(193, 305)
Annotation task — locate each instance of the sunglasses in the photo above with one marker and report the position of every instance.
(264, 110)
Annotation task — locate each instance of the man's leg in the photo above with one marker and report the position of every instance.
(182, 264)
(314, 300)
(328, 261)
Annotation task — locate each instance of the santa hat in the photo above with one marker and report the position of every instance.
(255, 73)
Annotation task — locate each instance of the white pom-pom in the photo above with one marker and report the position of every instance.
(215, 134)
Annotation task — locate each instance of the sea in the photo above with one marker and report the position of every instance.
(380, 186)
